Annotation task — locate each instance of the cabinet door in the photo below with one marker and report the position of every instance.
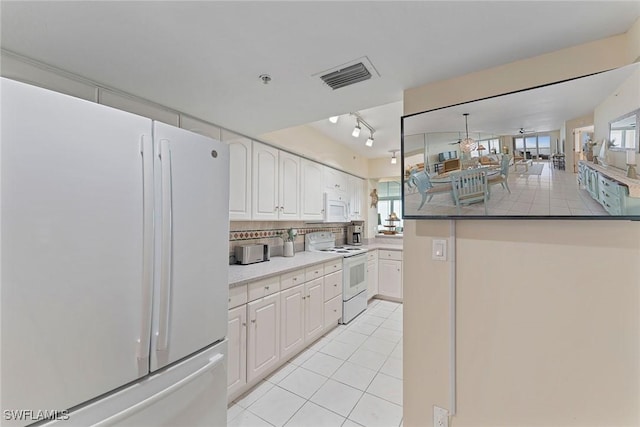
(356, 191)
(314, 309)
(372, 278)
(291, 320)
(390, 278)
(312, 191)
(239, 179)
(263, 344)
(289, 186)
(335, 180)
(237, 336)
(265, 203)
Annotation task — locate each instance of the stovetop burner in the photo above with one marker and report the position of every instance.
(325, 241)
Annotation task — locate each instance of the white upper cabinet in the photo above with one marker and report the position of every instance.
(312, 190)
(276, 184)
(356, 191)
(200, 127)
(266, 204)
(335, 180)
(240, 176)
(289, 186)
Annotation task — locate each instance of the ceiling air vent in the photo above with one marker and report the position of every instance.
(354, 71)
(347, 76)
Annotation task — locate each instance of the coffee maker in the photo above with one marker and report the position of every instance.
(354, 235)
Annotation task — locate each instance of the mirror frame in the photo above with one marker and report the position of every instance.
(635, 113)
(404, 153)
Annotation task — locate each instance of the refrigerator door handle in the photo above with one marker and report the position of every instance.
(122, 415)
(167, 247)
(146, 150)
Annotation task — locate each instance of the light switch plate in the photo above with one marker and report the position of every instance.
(439, 249)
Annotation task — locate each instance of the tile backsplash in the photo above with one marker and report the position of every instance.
(248, 232)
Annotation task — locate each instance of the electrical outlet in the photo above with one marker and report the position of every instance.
(440, 417)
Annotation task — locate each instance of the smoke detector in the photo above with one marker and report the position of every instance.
(266, 78)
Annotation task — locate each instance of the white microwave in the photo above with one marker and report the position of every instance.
(336, 208)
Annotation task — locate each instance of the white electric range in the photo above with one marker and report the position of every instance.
(354, 271)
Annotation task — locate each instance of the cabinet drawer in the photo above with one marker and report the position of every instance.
(331, 266)
(291, 279)
(371, 255)
(611, 187)
(237, 296)
(332, 311)
(384, 254)
(313, 272)
(332, 285)
(263, 287)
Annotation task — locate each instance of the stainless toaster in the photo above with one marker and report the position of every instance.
(249, 254)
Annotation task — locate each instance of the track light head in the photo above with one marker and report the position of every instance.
(369, 142)
(356, 130)
(334, 119)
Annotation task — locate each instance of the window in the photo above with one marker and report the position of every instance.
(389, 200)
(535, 145)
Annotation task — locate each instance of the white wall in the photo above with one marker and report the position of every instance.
(548, 326)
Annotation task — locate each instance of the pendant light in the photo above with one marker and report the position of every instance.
(467, 145)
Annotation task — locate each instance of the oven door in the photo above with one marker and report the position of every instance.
(354, 274)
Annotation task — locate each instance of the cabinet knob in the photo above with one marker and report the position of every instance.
(335, 311)
(244, 324)
(295, 279)
(335, 284)
(304, 297)
(253, 321)
(266, 287)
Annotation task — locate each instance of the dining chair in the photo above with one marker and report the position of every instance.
(422, 182)
(504, 173)
(470, 186)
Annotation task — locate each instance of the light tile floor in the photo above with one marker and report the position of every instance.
(552, 192)
(350, 377)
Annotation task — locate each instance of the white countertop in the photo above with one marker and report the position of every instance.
(239, 274)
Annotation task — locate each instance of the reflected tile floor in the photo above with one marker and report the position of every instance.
(553, 192)
(352, 376)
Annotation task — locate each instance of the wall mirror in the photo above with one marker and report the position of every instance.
(623, 133)
(523, 155)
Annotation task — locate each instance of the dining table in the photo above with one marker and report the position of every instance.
(445, 177)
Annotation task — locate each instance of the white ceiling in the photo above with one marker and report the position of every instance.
(204, 58)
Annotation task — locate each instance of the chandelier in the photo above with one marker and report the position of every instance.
(467, 145)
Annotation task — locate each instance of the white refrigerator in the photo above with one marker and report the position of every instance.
(114, 259)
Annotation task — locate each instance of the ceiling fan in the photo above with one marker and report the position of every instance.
(523, 131)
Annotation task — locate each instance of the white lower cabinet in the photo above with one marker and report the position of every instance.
(292, 309)
(237, 356)
(332, 311)
(273, 319)
(263, 344)
(372, 274)
(390, 278)
(314, 309)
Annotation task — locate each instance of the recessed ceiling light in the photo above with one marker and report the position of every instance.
(266, 78)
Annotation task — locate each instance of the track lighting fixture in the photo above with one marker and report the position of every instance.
(369, 142)
(356, 130)
(394, 159)
(334, 119)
